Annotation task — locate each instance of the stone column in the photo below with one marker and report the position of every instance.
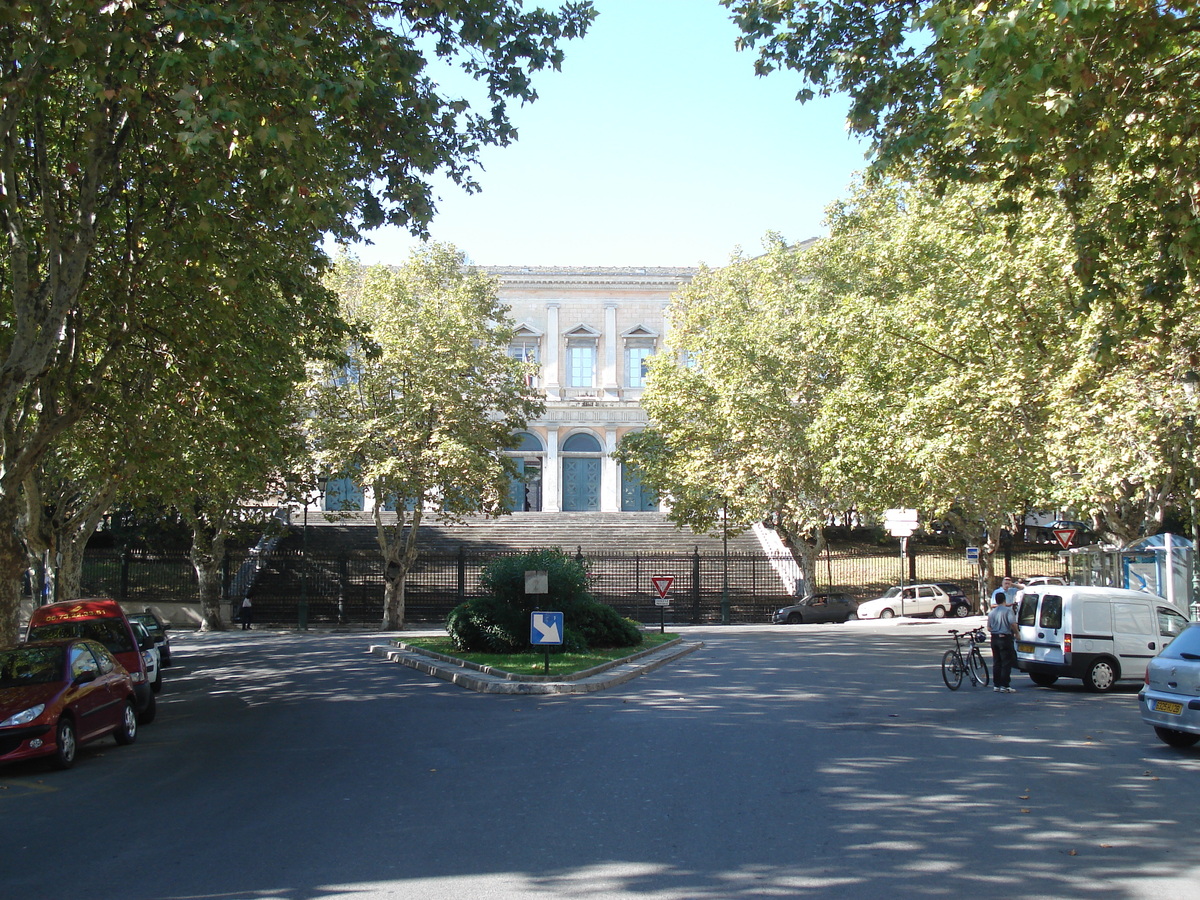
(551, 473)
(609, 375)
(610, 479)
(551, 374)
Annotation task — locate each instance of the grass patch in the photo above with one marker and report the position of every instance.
(534, 661)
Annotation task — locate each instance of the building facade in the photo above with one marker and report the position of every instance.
(590, 331)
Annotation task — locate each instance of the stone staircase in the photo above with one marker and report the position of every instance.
(589, 532)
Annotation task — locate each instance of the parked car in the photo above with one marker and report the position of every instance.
(158, 630)
(1101, 635)
(150, 655)
(960, 606)
(103, 621)
(1170, 700)
(910, 600)
(817, 608)
(58, 695)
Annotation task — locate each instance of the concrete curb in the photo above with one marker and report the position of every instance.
(490, 681)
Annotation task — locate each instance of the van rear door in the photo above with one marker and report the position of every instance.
(1135, 637)
(1040, 623)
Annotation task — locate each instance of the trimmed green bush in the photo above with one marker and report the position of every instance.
(499, 622)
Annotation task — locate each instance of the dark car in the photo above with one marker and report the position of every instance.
(817, 608)
(158, 630)
(57, 695)
(960, 606)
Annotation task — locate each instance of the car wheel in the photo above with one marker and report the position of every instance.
(795, 619)
(886, 614)
(1174, 738)
(961, 611)
(156, 685)
(67, 746)
(1041, 679)
(1101, 676)
(126, 732)
(146, 716)
(166, 660)
(939, 612)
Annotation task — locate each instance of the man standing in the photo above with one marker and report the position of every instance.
(1002, 625)
(1007, 588)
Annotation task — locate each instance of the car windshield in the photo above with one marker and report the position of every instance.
(892, 592)
(30, 665)
(149, 623)
(1186, 646)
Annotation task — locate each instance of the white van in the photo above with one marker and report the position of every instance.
(1100, 634)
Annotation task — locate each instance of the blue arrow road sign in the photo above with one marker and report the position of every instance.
(545, 628)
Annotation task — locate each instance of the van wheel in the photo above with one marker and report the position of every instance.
(939, 612)
(1101, 676)
(146, 716)
(1174, 738)
(1041, 679)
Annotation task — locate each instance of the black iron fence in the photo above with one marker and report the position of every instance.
(327, 588)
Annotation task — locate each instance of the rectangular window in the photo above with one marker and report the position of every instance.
(526, 352)
(635, 365)
(581, 365)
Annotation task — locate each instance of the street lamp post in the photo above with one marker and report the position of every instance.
(1191, 385)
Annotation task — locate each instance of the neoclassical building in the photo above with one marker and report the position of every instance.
(590, 330)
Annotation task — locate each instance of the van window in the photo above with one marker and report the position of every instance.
(1027, 612)
(112, 633)
(1131, 618)
(1051, 612)
(1170, 623)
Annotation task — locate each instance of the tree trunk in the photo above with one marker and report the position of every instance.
(13, 562)
(207, 553)
(399, 553)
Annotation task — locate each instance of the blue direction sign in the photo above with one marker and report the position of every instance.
(545, 628)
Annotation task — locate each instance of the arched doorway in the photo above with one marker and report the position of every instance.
(581, 458)
(635, 496)
(525, 490)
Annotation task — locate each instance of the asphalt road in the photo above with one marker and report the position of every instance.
(807, 761)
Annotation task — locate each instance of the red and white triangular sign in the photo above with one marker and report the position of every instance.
(662, 584)
(1064, 536)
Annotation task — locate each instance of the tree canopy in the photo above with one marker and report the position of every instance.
(154, 157)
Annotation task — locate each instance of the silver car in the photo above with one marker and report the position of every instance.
(1170, 701)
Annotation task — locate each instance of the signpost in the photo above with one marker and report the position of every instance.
(901, 523)
(546, 630)
(662, 587)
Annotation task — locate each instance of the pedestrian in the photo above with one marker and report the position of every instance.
(1007, 588)
(247, 612)
(1002, 625)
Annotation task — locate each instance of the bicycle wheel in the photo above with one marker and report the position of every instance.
(979, 667)
(952, 669)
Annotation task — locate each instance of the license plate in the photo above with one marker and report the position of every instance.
(1024, 648)
(1166, 706)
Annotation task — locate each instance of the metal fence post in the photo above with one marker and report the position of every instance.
(696, 585)
(462, 573)
(123, 589)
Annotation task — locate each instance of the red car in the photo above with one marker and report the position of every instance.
(57, 695)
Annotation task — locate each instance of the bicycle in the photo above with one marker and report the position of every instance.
(957, 662)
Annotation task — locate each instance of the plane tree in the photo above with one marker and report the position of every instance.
(142, 145)
(1093, 103)
(732, 403)
(424, 404)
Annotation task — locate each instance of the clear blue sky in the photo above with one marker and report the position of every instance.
(656, 145)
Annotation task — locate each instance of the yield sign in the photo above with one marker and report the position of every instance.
(662, 584)
(1064, 536)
